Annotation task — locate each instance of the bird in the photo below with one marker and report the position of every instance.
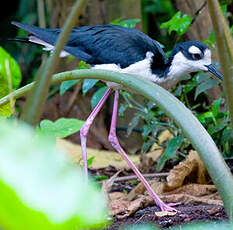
(125, 50)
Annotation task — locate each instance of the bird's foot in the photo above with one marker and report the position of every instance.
(168, 207)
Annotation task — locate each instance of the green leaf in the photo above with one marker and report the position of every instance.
(97, 96)
(177, 23)
(146, 145)
(62, 127)
(133, 123)
(130, 23)
(15, 72)
(83, 65)
(101, 178)
(90, 161)
(68, 84)
(122, 109)
(65, 85)
(210, 83)
(170, 151)
(216, 106)
(40, 188)
(15, 75)
(216, 128)
(88, 84)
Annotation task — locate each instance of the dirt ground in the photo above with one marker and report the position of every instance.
(186, 214)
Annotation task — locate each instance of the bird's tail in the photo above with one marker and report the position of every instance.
(25, 40)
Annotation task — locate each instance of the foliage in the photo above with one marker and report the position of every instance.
(218, 124)
(9, 70)
(170, 151)
(40, 187)
(97, 96)
(179, 24)
(68, 84)
(62, 127)
(130, 23)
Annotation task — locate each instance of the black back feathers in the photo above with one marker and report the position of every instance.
(105, 44)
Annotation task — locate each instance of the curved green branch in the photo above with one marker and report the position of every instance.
(183, 117)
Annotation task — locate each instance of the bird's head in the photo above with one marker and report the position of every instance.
(191, 56)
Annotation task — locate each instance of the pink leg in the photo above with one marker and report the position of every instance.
(85, 129)
(116, 145)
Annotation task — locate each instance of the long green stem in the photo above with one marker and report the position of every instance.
(34, 105)
(183, 117)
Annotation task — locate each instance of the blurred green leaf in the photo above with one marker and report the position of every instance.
(68, 84)
(122, 109)
(62, 127)
(40, 188)
(202, 117)
(97, 96)
(170, 151)
(210, 83)
(146, 145)
(179, 24)
(130, 23)
(88, 84)
(133, 124)
(216, 106)
(101, 177)
(90, 161)
(15, 75)
(65, 85)
(14, 69)
(216, 128)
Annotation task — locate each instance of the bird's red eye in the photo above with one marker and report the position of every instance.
(196, 56)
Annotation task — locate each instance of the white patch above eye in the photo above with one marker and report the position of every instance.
(194, 50)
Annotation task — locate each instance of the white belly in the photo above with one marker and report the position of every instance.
(141, 69)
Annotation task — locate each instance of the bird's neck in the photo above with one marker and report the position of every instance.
(168, 73)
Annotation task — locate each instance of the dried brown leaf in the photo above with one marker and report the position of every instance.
(165, 213)
(190, 170)
(122, 208)
(165, 136)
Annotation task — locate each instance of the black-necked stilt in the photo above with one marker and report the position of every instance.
(125, 50)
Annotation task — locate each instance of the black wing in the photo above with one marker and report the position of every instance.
(105, 44)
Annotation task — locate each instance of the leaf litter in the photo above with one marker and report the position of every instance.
(187, 183)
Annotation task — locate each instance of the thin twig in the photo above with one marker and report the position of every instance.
(198, 12)
(133, 177)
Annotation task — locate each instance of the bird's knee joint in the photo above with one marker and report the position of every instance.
(83, 131)
(112, 139)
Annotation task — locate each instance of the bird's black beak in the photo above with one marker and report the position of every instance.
(214, 71)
